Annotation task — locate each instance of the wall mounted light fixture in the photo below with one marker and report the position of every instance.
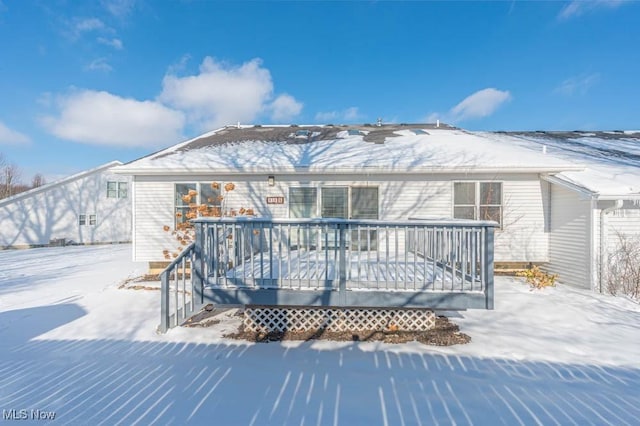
(271, 180)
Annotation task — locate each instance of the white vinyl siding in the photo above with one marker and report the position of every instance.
(153, 211)
(625, 221)
(569, 240)
(522, 239)
(524, 236)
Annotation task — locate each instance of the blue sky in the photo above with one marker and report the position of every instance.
(83, 83)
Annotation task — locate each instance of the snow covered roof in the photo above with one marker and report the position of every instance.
(58, 182)
(611, 159)
(348, 149)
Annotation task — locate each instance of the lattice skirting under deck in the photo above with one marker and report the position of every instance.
(268, 319)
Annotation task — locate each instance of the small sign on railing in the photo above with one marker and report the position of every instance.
(275, 200)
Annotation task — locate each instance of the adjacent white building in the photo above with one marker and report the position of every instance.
(90, 207)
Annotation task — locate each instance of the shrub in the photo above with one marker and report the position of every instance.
(537, 278)
(184, 232)
(622, 267)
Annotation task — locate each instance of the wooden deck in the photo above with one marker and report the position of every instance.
(332, 262)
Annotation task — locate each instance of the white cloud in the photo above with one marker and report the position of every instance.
(101, 118)
(577, 8)
(99, 64)
(223, 94)
(12, 137)
(284, 108)
(87, 25)
(119, 8)
(480, 104)
(116, 43)
(578, 84)
(327, 116)
(433, 117)
(350, 114)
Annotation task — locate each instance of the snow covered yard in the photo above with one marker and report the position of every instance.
(74, 344)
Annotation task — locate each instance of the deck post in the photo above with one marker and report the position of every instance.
(342, 288)
(164, 303)
(197, 274)
(488, 266)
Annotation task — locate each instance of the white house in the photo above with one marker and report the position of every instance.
(550, 194)
(90, 207)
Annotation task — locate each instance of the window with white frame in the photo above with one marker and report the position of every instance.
(87, 219)
(303, 202)
(117, 189)
(364, 202)
(334, 202)
(478, 201)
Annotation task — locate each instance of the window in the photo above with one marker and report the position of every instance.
(364, 202)
(87, 219)
(197, 199)
(122, 189)
(117, 189)
(491, 201)
(464, 200)
(334, 202)
(364, 205)
(303, 202)
(478, 201)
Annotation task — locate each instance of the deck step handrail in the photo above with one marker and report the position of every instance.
(184, 303)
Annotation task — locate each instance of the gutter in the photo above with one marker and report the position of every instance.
(603, 236)
(584, 191)
(150, 171)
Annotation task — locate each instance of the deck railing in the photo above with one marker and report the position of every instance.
(176, 289)
(331, 262)
(336, 262)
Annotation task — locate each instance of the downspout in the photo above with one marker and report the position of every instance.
(603, 221)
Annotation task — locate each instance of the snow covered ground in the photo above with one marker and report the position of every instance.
(74, 344)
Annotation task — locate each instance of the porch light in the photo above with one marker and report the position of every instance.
(271, 180)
